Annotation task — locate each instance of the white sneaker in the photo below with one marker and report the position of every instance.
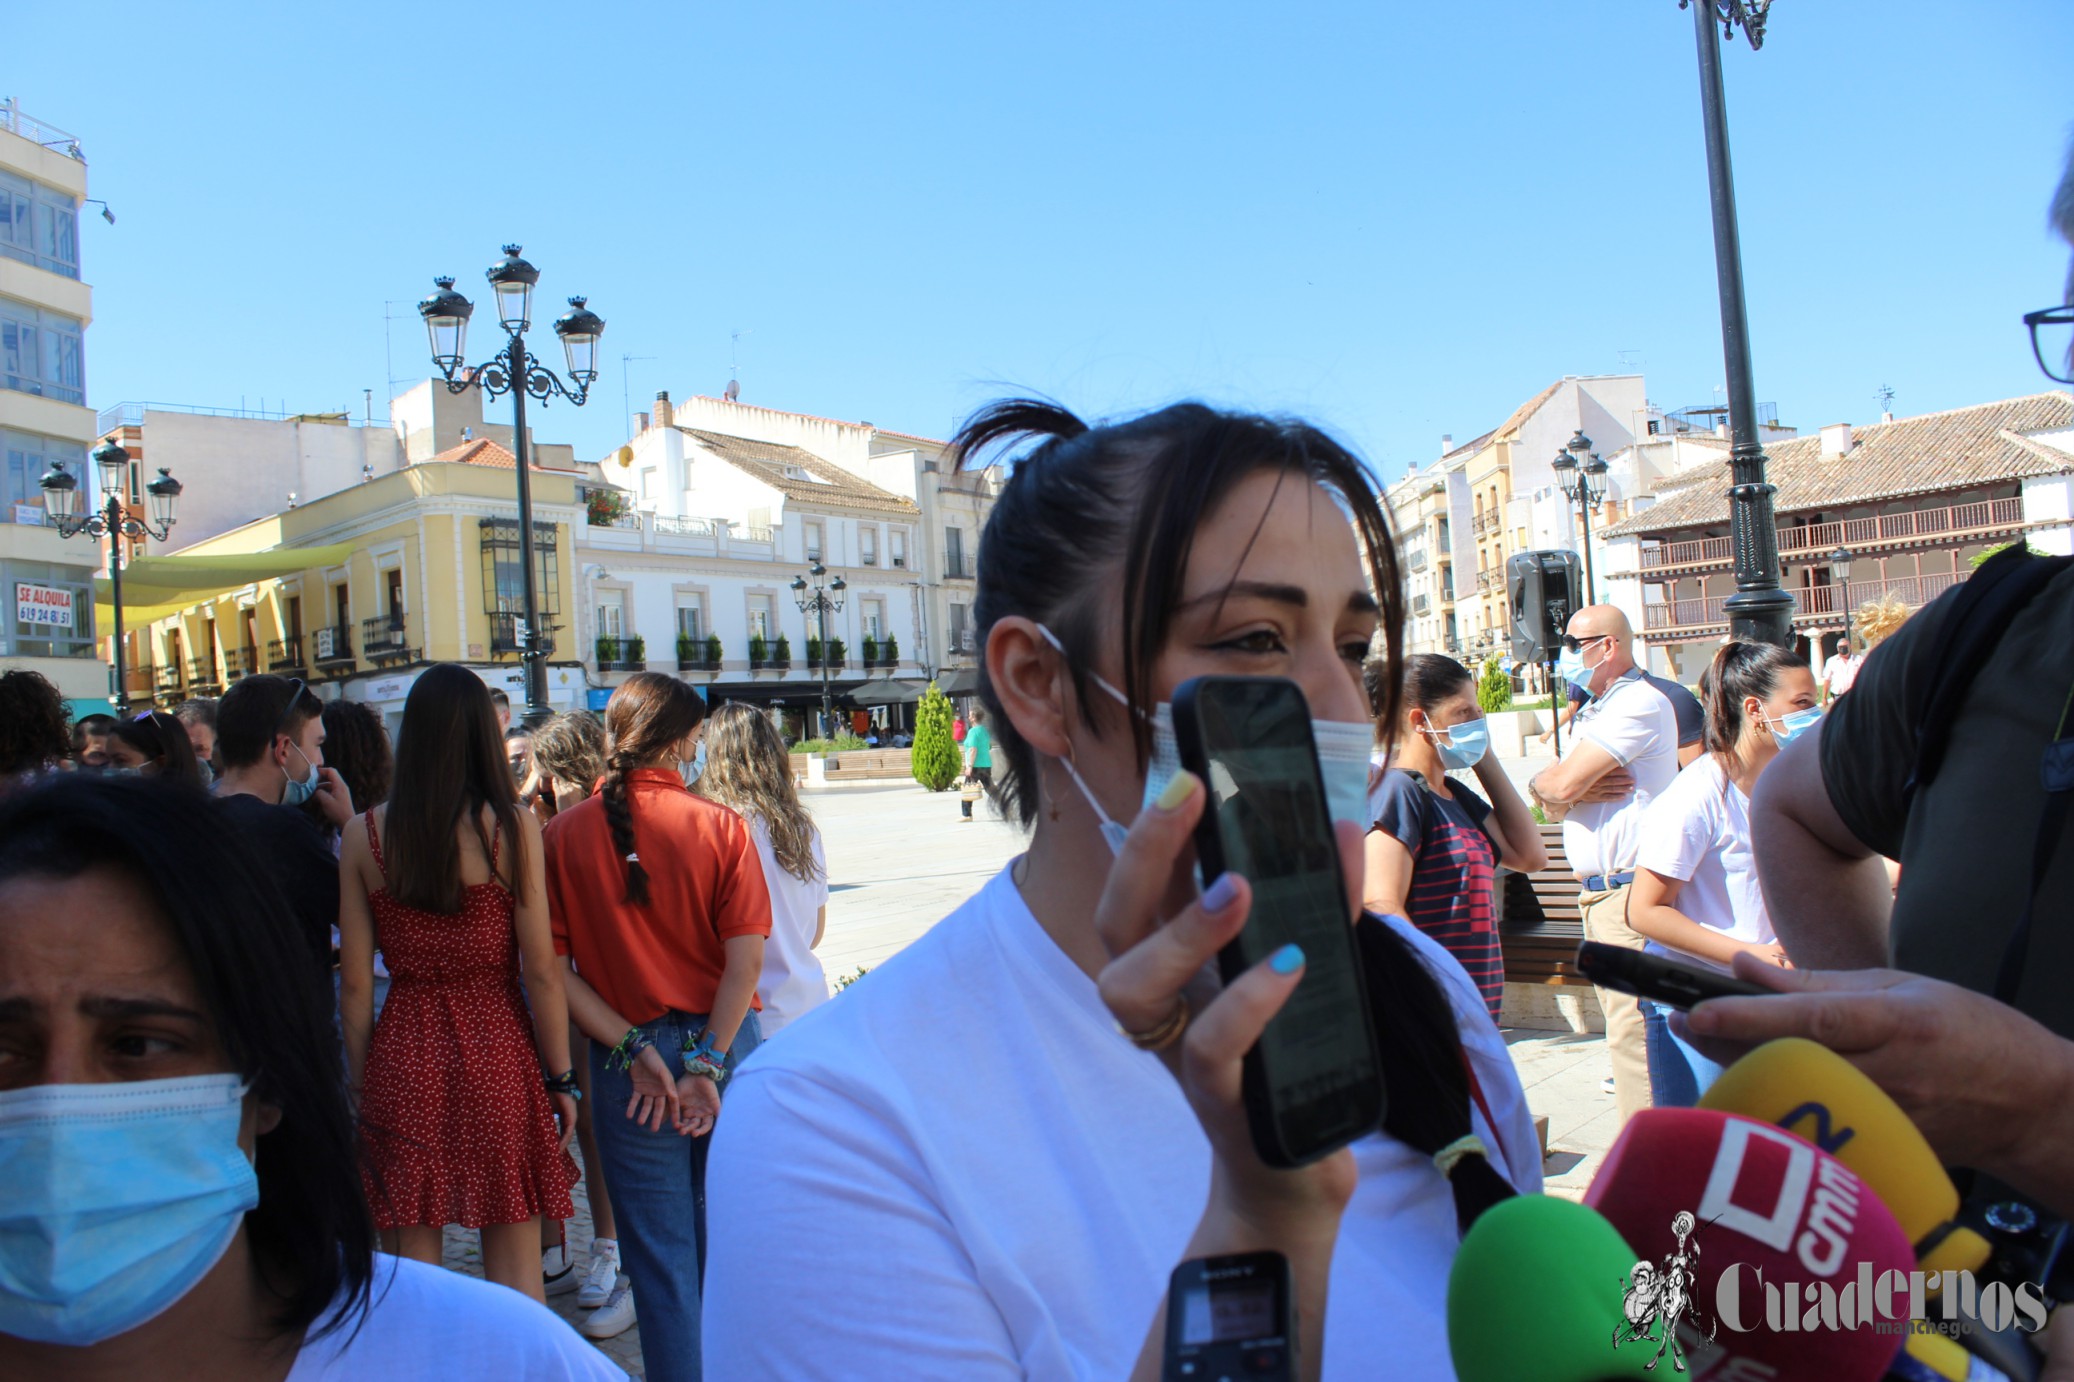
(557, 1272)
(614, 1317)
(601, 1275)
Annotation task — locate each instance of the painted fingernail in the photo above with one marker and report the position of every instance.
(1179, 790)
(1287, 960)
(1219, 895)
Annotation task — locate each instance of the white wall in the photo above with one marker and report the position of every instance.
(2051, 497)
(236, 470)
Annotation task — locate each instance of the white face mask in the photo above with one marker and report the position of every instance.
(1343, 748)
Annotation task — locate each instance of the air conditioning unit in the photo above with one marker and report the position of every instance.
(327, 642)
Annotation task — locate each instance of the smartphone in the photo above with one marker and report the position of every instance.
(1231, 1317)
(1669, 982)
(1313, 1082)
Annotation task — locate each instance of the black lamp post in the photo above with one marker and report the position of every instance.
(512, 370)
(1759, 610)
(61, 498)
(1582, 476)
(821, 599)
(1840, 561)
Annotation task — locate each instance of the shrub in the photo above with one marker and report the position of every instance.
(890, 650)
(871, 651)
(637, 649)
(935, 759)
(713, 650)
(849, 979)
(836, 652)
(687, 648)
(782, 654)
(813, 651)
(759, 650)
(608, 650)
(1494, 688)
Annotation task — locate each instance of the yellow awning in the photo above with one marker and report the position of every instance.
(157, 587)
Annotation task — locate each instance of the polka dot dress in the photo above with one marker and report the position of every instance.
(455, 1125)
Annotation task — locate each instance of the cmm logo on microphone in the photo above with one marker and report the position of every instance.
(1658, 1299)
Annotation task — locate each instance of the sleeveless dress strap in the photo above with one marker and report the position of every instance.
(374, 842)
(497, 844)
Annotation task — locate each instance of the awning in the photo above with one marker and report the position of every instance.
(963, 682)
(890, 692)
(156, 587)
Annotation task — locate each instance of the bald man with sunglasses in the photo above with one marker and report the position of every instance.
(1623, 753)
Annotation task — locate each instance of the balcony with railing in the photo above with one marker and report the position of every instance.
(332, 646)
(504, 640)
(1813, 605)
(1415, 559)
(285, 655)
(1421, 605)
(1489, 580)
(201, 676)
(386, 638)
(140, 680)
(695, 654)
(1484, 523)
(769, 657)
(957, 566)
(239, 662)
(964, 642)
(622, 654)
(166, 679)
(1950, 525)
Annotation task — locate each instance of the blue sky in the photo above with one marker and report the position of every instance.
(1398, 219)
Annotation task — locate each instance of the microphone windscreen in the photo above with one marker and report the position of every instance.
(1793, 1262)
(1809, 1089)
(1535, 1292)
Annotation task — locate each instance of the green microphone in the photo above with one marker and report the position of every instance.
(1536, 1293)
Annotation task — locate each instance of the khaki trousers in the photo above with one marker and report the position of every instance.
(1627, 1041)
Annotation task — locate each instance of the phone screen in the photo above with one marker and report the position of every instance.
(1275, 831)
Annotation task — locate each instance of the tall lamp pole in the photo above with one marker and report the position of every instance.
(1759, 610)
(512, 370)
(61, 499)
(821, 600)
(1583, 477)
(1841, 560)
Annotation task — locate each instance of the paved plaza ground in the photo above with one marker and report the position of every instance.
(899, 860)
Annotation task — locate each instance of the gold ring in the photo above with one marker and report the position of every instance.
(1166, 1033)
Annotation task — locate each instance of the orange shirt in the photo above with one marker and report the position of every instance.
(705, 885)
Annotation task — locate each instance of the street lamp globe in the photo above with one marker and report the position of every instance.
(114, 464)
(838, 585)
(164, 493)
(61, 492)
(446, 321)
(579, 328)
(1565, 466)
(1595, 479)
(1579, 444)
(513, 278)
(817, 570)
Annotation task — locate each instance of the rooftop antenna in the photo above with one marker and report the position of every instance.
(626, 396)
(734, 365)
(1885, 393)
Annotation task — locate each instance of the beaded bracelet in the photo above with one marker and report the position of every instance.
(701, 1059)
(630, 1047)
(564, 1083)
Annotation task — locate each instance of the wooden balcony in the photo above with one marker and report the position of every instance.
(1812, 542)
(1668, 621)
(285, 655)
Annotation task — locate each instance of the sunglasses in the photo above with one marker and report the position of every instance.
(302, 688)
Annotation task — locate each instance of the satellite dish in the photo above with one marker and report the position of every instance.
(734, 390)
(626, 455)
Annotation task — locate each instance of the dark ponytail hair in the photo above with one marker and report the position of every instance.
(646, 716)
(1740, 670)
(1430, 678)
(163, 740)
(1093, 518)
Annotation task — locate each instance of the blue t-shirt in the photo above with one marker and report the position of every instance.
(1454, 867)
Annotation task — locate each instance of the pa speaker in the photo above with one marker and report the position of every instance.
(1543, 589)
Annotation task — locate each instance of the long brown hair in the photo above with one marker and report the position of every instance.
(749, 771)
(1739, 671)
(647, 716)
(163, 739)
(449, 765)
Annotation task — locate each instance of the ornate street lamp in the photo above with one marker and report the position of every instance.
(1840, 563)
(61, 499)
(1582, 476)
(1759, 610)
(512, 370)
(821, 600)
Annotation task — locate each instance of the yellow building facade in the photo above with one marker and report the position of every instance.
(358, 591)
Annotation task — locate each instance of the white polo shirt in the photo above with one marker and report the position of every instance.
(1635, 724)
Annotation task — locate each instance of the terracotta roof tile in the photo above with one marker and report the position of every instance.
(483, 451)
(822, 483)
(1959, 449)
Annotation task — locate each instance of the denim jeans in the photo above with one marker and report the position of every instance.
(1678, 1073)
(658, 1184)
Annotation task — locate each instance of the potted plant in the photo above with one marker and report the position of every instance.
(604, 507)
(637, 651)
(758, 651)
(688, 651)
(813, 651)
(871, 651)
(608, 650)
(889, 651)
(781, 656)
(713, 652)
(836, 653)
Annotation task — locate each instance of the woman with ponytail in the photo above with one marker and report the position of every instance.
(1695, 896)
(970, 1113)
(661, 912)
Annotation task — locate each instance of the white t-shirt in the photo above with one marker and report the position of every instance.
(1841, 672)
(1633, 722)
(427, 1324)
(792, 978)
(957, 1170)
(1699, 832)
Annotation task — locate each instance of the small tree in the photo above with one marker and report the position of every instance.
(687, 649)
(782, 654)
(871, 651)
(836, 652)
(935, 757)
(759, 651)
(1494, 688)
(714, 650)
(813, 651)
(637, 648)
(890, 651)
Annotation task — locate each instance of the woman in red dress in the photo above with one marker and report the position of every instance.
(454, 1087)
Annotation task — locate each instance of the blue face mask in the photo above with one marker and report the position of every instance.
(692, 771)
(1570, 667)
(1464, 745)
(296, 793)
(120, 1197)
(1791, 727)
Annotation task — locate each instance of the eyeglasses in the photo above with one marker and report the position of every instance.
(2052, 341)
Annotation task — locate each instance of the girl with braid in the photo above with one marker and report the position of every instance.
(660, 909)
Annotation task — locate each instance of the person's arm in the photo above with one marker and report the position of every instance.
(820, 927)
(737, 988)
(654, 1078)
(1566, 783)
(355, 955)
(1386, 867)
(542, 972)
(1990, 1088)
(1511, 825)
(1653, 912)
(1827, 892)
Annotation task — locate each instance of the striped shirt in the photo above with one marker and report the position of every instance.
(1454, 865)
